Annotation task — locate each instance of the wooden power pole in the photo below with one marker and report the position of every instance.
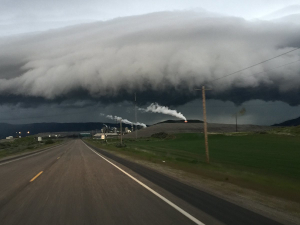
(236, 129)
(135, 116)
(205, 124)
(121, 132)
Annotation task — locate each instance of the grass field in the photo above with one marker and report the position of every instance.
(266, 162)
(22, 145)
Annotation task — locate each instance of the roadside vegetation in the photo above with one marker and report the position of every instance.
(22, 145)
(265, 161)
(292, 131)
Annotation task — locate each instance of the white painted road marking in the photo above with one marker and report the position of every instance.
(151, 190)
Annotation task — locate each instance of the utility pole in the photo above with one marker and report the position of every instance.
(205, 122)
(236, 130)
(135, 116)
(121, 132)
(239, 113)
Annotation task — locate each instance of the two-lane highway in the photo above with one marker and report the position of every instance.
(15, 174)
(71, 184)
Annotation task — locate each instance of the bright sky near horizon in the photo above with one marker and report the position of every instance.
(19, 16)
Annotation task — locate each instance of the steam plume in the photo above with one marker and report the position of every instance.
(156, 108)
(123, 120)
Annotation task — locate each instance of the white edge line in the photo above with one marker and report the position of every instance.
(42, 151)
(151, 190)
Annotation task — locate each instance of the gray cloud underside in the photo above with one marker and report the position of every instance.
(149, 53)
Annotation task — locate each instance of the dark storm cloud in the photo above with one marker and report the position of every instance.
(10, 67)
(161, 56)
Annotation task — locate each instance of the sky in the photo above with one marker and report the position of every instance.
(69, 61)
(20, 16)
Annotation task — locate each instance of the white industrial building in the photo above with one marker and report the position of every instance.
(104, 135)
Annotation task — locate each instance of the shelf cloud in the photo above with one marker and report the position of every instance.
(154, 53)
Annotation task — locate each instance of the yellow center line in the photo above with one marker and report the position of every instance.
(58, 157)
(36, 176)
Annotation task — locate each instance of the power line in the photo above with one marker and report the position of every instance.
(255, 74)
(147, 98)
(276, 67)
(179, 96)
(254, 65)
(236, 106)
(272, 69)
(151, 99)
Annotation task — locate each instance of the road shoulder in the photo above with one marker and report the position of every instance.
(28, 153)
(247, 199)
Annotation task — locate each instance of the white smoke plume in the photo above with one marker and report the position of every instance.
(124, 120)
(156, 108)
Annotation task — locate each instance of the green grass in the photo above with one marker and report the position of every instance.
(22, 145)
(293, 131)
(266, 162)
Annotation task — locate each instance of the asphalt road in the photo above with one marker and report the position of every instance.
(73, 184)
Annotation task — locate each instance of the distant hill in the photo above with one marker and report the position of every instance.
(288, 123)
(181, 127)
(180, 121)
(35, 128)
